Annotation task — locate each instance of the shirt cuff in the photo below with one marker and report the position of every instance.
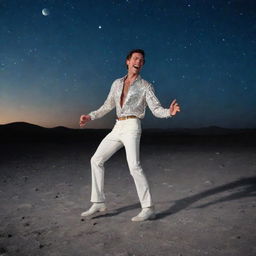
(168, 114)
(92, 116)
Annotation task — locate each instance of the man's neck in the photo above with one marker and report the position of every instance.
(131, 77)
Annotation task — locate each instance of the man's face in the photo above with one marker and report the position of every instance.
(135, 63)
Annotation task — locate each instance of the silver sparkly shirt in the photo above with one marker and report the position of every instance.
(140, 94)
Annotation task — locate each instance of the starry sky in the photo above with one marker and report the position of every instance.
(60, 63)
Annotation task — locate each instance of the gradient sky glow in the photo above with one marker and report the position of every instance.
(54, 68)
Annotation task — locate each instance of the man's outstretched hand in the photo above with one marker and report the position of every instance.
(84, 119)
(174, 108)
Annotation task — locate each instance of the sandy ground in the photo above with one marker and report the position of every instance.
(204, 196)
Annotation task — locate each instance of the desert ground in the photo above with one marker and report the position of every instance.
(204, 190)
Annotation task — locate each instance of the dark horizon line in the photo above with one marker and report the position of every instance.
(160, 129)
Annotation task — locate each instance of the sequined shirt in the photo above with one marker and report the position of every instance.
(140, 95)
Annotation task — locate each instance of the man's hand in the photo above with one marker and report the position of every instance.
(174, 107)
(84, 119)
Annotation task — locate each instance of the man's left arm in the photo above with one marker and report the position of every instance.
(156, 107)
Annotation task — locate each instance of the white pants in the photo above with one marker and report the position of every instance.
(125, 133)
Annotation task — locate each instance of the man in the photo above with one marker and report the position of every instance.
(130, 95)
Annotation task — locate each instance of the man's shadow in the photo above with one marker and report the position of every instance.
(244, 187)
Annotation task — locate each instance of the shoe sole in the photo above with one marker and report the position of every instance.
(100, 211)
(151, 217)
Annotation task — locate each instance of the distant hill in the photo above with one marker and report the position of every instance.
(25, 131)
(27, 127)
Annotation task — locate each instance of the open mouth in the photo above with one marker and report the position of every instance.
(137, 67)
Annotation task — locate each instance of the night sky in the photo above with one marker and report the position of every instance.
(59, 64)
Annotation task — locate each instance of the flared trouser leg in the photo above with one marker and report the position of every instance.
(132, 148)
(105, 150)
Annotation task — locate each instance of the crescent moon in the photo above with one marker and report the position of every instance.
(45, 12)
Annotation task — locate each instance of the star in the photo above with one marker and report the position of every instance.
(100, 27)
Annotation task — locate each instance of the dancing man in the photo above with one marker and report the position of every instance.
(130, 95)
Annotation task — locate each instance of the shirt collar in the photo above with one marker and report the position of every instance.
(137, 79)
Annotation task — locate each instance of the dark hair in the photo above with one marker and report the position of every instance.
(135, 51)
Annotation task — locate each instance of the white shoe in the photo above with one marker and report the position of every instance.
(146, 214)
(96, 207)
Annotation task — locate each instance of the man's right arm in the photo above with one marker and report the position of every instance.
(108, 105)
